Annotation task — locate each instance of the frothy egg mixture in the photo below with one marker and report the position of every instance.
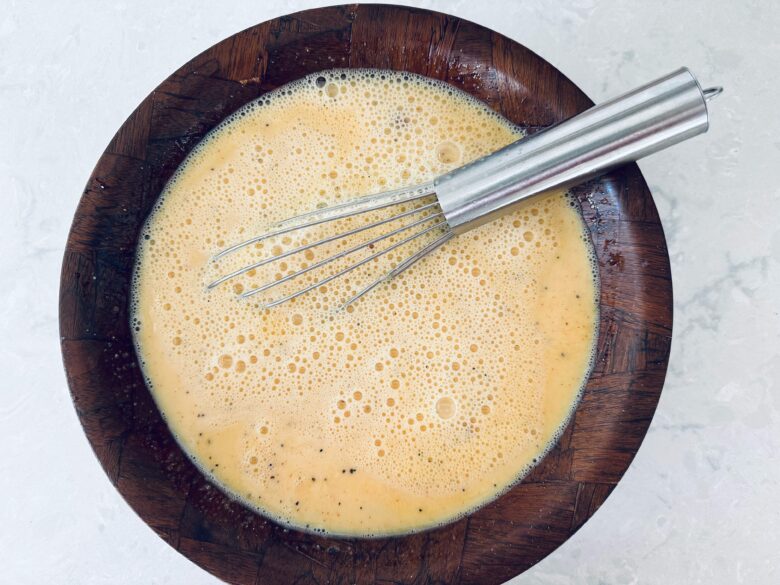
(425, 399)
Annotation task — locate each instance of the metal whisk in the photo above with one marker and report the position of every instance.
(624, 129)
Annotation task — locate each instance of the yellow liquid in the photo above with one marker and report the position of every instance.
(431, 395)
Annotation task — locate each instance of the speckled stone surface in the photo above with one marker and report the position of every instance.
(700, 502)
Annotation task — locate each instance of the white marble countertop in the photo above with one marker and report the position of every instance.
(700, 502)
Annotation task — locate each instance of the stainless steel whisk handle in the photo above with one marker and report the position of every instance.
(623, 129)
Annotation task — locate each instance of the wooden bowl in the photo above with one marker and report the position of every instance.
(125, 428)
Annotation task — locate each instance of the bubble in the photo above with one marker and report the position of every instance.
(445, 407)
(448, 153)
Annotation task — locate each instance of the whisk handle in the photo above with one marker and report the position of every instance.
(626, 128)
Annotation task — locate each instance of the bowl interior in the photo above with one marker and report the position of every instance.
(134, 444)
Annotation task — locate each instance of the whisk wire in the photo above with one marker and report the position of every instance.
(356, 207)
(340, 255)
(323, 241)
(365, 204)
(352, 267)
(405, 264)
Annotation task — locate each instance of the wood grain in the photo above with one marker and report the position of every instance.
(133, 443)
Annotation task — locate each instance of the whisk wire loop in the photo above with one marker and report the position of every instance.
(416, 196)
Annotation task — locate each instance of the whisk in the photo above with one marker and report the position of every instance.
(638, 123)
